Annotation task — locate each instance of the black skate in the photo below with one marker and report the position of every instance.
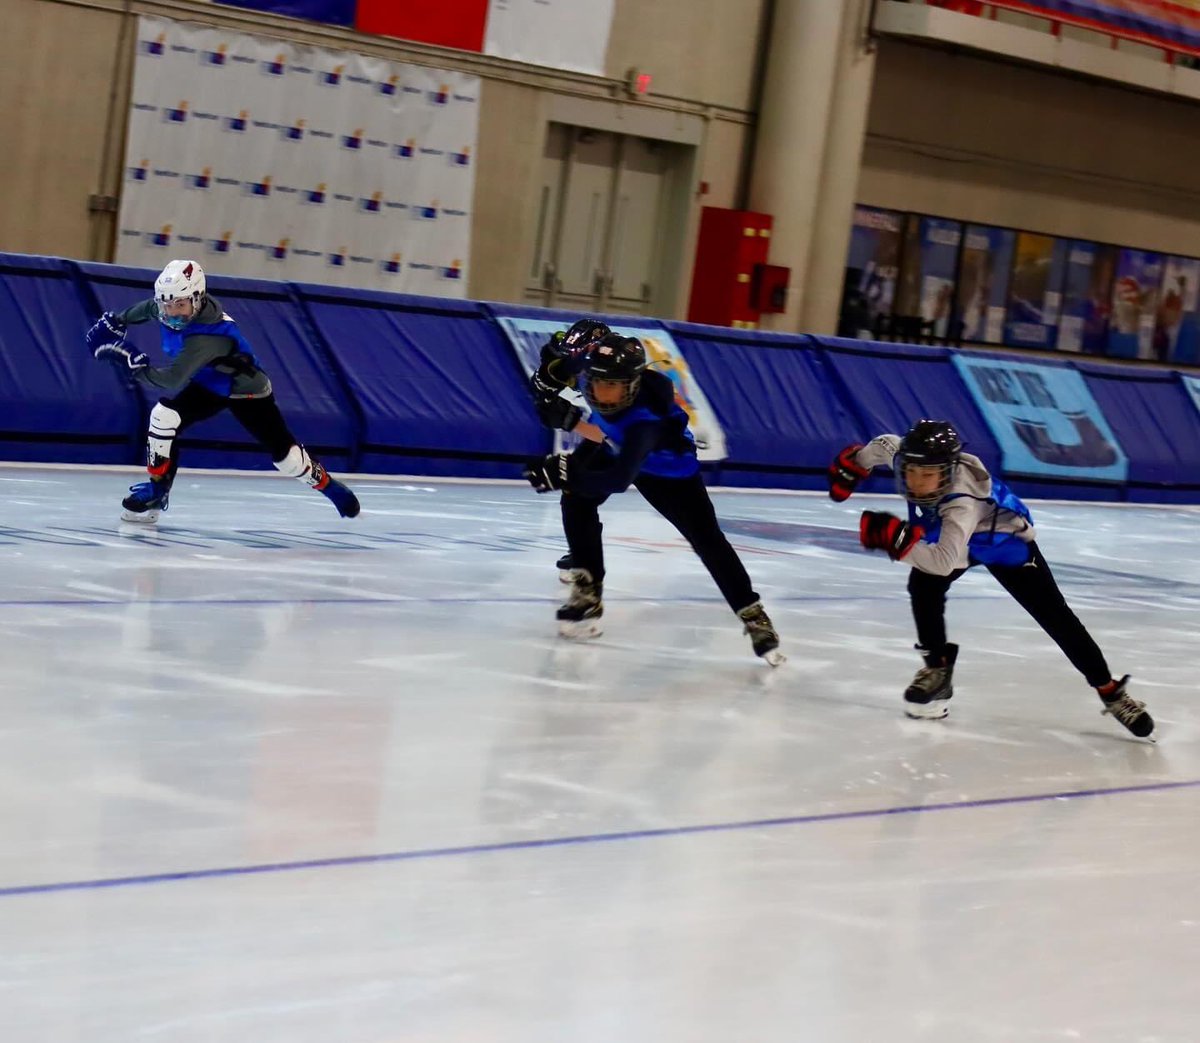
(763, 635)
(579, 618)
(566, 568)
(931, 689)
(1128, 711)
(338, 493)
(146, 502)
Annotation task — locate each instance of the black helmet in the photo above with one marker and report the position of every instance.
(933, 444)
(584, 332)
(617, 359)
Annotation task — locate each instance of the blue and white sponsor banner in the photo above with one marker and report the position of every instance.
(1045, 419)
(271, 160)
(528, 335)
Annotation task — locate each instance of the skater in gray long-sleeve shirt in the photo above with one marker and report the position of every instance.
(959, 516)
(211, 368)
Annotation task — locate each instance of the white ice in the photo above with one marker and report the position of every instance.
(651, 837)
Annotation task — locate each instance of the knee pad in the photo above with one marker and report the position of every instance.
(296, 464)
(164, 426)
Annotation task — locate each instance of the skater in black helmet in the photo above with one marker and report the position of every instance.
(638, 435)
(554, 389)
(211, 367)
(959, 517)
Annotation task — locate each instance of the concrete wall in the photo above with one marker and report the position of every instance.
(1006, 144)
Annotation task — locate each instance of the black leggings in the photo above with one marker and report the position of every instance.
(259, 416)
(1034, 588)
(685, 503)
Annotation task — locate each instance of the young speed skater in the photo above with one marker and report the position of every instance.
(553, 384)
(959, 517)
(638, 436)
(211, 367)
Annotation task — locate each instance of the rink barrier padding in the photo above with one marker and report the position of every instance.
(400, 384)
(56, 403)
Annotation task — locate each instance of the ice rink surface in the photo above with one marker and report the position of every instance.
(267, 775)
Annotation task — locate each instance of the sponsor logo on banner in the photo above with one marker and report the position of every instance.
(279, 251)
(314, 196)
(407, 149)
(332, 79)
(275, 66)
(353, 141)
(452, 271)
(237, 124)
(337, 259)
(1045, 419)
(221, 244)
(388, 86)
(179, 114)
(155, 48)
(161, 238)
(295, 132)
(441, 96)
(199, 181)
(426, 213)
(392, 265)
(141, 172)
(461, 159)
(261, 189)
(216, 57)
(371, 204)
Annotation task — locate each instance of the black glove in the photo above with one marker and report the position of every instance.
(845, 473)
(546, 473)
(878, 530)
(553, 408)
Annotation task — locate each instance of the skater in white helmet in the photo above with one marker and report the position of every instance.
(210, 367)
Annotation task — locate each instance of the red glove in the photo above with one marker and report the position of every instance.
(845, 473)
(878, 530)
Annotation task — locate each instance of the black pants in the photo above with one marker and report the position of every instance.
(1034, 588)
(685, 503)
(259, 416)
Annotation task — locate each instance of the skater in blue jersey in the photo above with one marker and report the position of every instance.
(210, 367)
(638, 435)
(959, 517)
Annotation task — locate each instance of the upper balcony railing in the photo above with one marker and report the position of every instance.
(1173, 28)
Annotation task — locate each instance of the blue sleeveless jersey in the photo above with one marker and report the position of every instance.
(208, 377)
(676, 458)
(985, 547)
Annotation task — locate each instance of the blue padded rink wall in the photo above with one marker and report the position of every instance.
(270, 775)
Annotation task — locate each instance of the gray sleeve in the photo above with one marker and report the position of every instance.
(878, 452)
(198, 352)
(960, 518)
(138, 313)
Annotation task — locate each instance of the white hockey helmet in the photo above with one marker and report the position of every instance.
(180, 281)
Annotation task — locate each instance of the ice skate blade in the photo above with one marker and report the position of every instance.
(567, 575)
(773, 657)
(931, 711)
(141, 517)
(582, 631)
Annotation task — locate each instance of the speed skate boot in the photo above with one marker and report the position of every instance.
(931, 689)
(146, 501)
(579, 618)
(338, 493)
(763, 635)
(1127, 710)
(566, 568)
